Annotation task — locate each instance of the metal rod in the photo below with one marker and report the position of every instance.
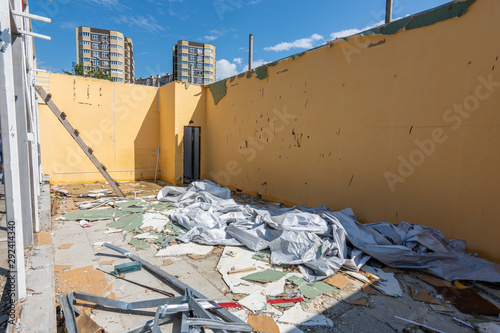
(250, 51)
(223, 313)
(69, 314)
(32, 16)
(34, 34)
(388, 11)
(165, 293)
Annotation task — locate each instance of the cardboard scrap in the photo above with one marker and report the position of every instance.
(65, 246)
(422, 296)
(432, 280)
(86, 325)
(107, 262)
(167, 262)
(369, 290)
(361, 301)
(338, 280)
(60, 268)
(263, 324)
(84, 279)
(43, 238)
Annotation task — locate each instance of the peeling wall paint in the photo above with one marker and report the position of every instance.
(442, 13)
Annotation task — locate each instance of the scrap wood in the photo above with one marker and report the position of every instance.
(432, 280)
(369, 290)
(107, 262)
(84, 279)
(358, 276)
(86, 325)
(338, 280)
(241, 270)
(60, 268)
(388, 269)
(422, 296)
(285, 300)
(263, 324)
(55, 205)
(65, 246)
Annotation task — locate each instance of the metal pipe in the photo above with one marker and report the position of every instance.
(388, 11)
(223, 313)
(250, 51)
(32, 16)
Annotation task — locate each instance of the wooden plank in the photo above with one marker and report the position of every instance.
(242, 270)
(76, 136)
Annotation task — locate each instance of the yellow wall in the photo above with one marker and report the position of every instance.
(118, 121)
(337, 125)
(181, 105)
(354, 111)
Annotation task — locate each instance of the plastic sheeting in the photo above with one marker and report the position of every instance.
(321, 242)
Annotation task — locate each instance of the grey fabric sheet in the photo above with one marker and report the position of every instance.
(321, 242)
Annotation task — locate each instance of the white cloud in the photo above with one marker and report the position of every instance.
(106, 3)
(349, 32)
(144, 22)
(225, 69)
(255, 63)
(303, 43)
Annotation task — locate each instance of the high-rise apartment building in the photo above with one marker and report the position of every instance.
(154, 81)
(194, 62)
(98, 49)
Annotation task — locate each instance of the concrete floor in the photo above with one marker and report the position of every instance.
(376, 316)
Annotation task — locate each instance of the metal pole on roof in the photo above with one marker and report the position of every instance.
(388, 11)
(250, 51)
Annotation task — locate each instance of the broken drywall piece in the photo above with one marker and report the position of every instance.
(153, 221)
(139, 244)
(286, 328)
(269, 275)
(65, 246)
(234, 257)
(338, 281)
(97, 214)
(185, 248)
(255, 301)
(387, 283)
(311, 290)
(128, 222)
(297, 316)
(278, 287)
(146, 236)
(489, 327)
(422, 296)
(358, 276)
(263, 324)
(126, 203)
(242, 314)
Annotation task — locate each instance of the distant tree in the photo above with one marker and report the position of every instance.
(93, 72)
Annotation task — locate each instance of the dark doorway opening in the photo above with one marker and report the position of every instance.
(191, 153)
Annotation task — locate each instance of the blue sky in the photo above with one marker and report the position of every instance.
(280, 28)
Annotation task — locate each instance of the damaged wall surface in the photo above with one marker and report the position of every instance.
(118, 121)
(399, 127)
